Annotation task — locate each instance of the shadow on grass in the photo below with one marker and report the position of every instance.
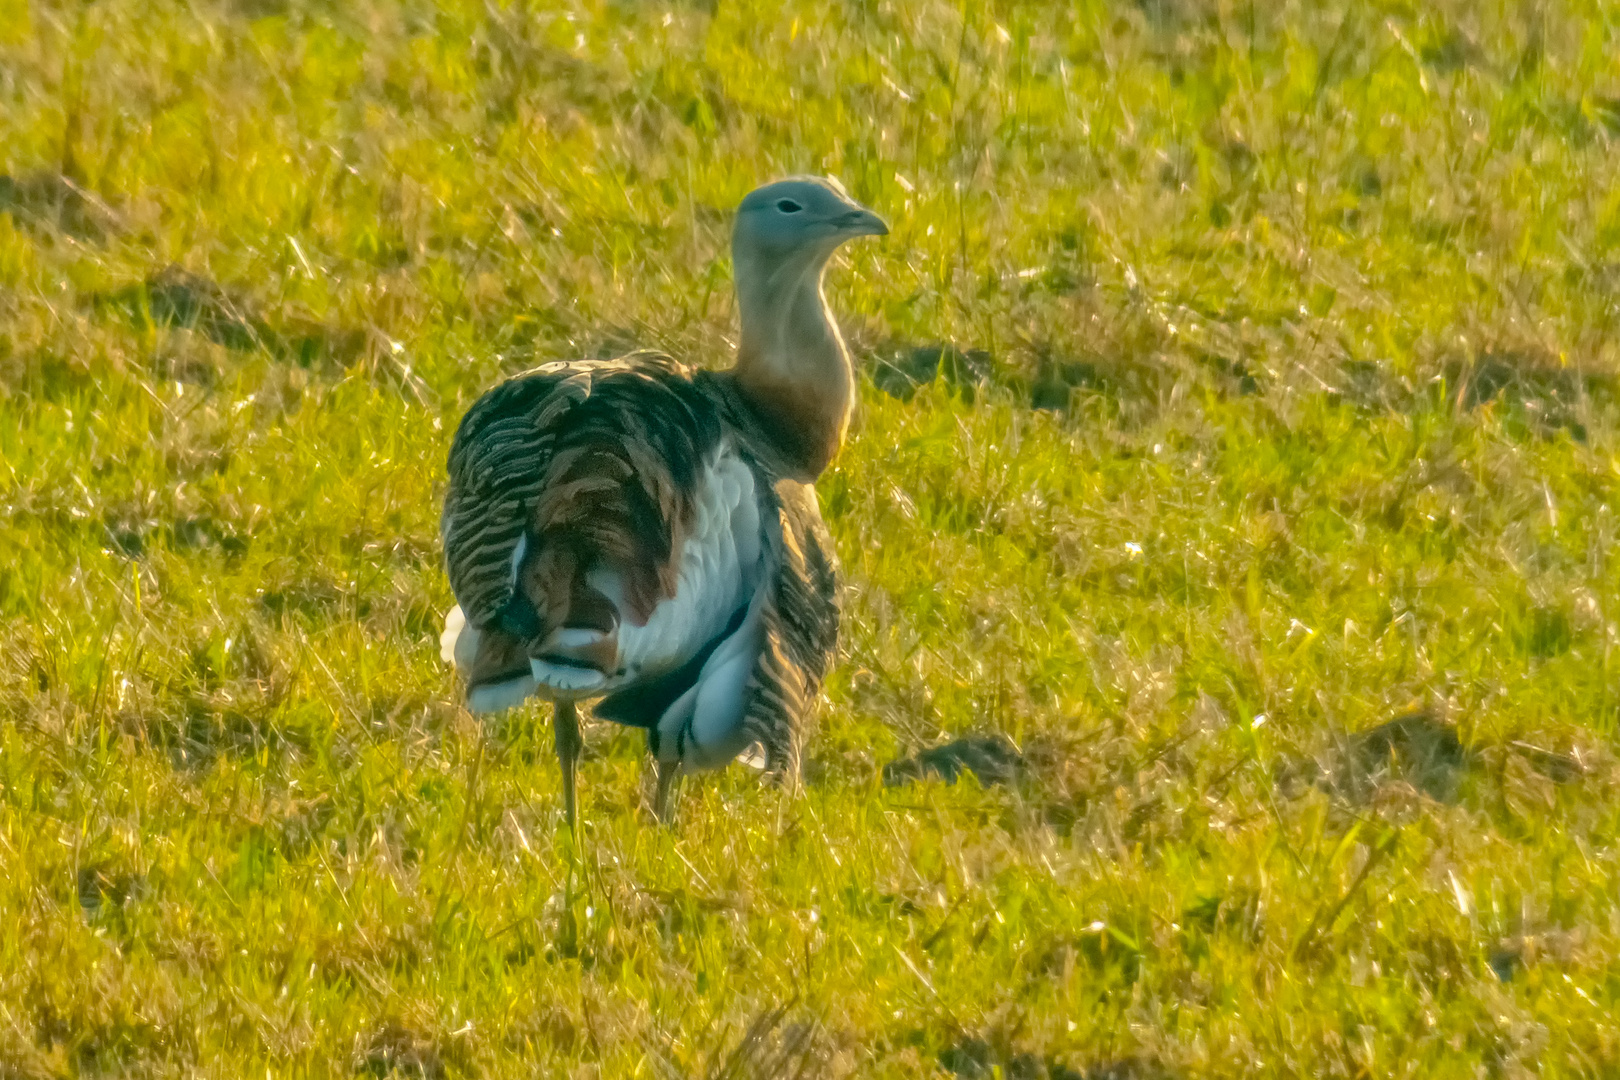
(899, 370)
(214, 724)
(395, 1049)
(975, 1058)
(1422, 754)
(52, 201)
(177, 299)
(1537, 393)
(993, 759)
(132, 536)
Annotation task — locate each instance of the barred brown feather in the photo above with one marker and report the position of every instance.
(595, 460)
(801, 630)
(595, 463)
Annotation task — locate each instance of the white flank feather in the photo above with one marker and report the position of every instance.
(719, 566)
(566, 681)
(711, 712)
(498, 697)
(518, 551)
(459, 642)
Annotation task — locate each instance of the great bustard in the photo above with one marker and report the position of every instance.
(646, 533)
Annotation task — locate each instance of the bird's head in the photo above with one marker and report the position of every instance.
(792, 364)
(798, 221)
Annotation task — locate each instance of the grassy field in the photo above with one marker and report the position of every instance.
(1263, 498)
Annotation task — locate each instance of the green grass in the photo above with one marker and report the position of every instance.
(1321, 302)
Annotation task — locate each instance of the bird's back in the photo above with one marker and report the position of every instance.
(623, 528)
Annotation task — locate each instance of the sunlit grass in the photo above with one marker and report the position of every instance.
(1319, 303)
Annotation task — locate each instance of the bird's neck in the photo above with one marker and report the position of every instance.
(792, 367)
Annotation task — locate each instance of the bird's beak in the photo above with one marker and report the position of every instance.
(862, 222)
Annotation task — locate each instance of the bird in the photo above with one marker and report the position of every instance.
(645, 534)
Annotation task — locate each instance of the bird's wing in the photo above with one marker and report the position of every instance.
(800, 630)
(497, 468)
(568, 471)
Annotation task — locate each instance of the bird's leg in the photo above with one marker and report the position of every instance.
(667, 772)
(565, 720)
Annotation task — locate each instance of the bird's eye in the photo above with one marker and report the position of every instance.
(788, 206)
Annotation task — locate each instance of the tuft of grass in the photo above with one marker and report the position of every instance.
(1239, 448)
